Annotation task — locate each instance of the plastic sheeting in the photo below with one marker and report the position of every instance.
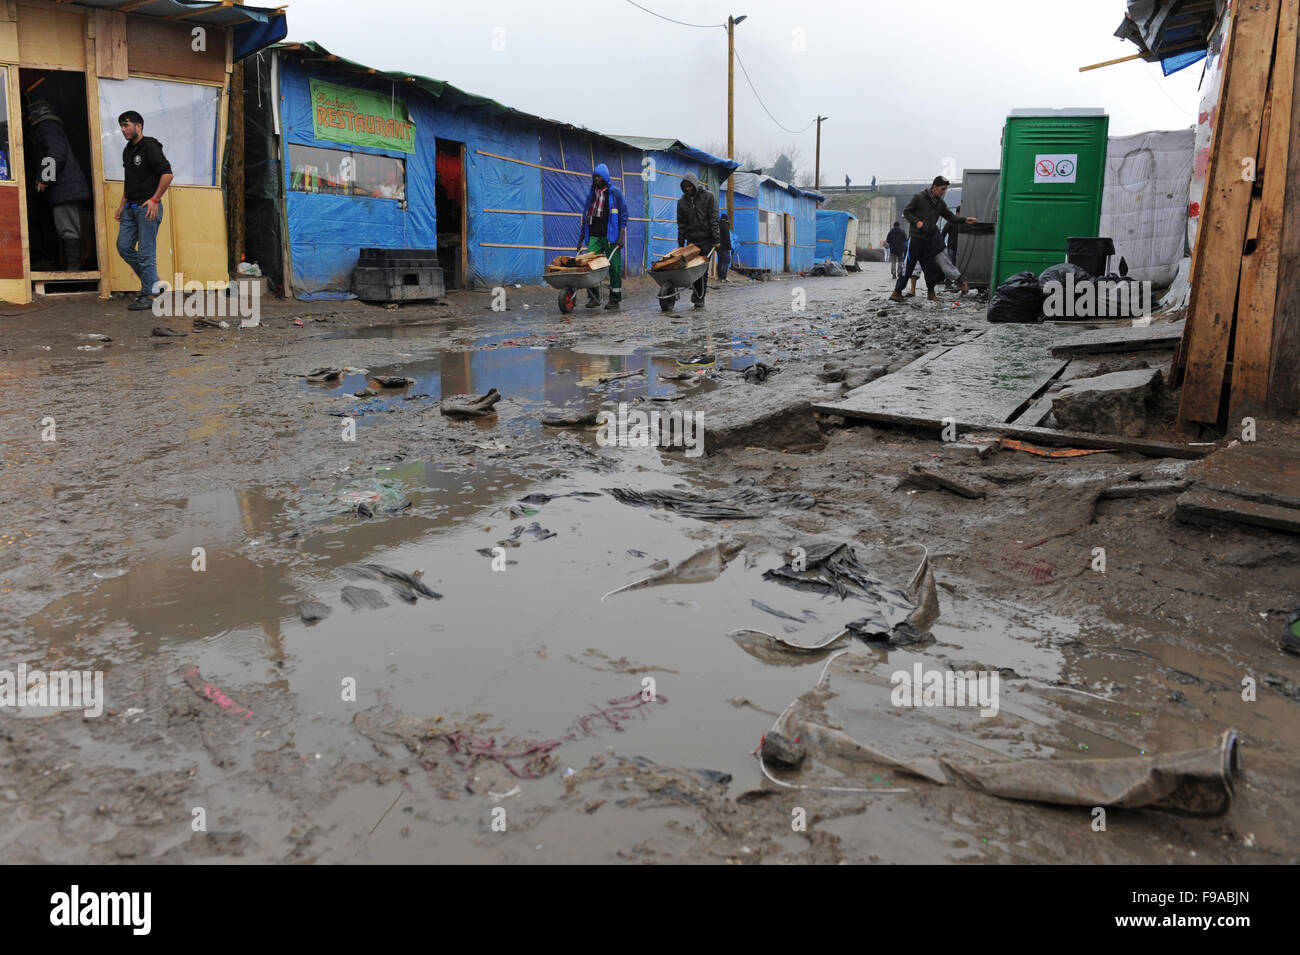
(327, 232)
(758, 194)
(832, 234)
(263, 182)
(975, 252)
(1144, 201)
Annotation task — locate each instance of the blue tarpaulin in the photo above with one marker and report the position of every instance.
(526, 181)
(762, 204)
(832, 231)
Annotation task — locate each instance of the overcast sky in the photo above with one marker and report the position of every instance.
(904, 84)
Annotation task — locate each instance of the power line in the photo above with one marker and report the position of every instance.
(682, 23)
(793, 132)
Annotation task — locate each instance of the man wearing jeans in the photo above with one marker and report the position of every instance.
(147, 174)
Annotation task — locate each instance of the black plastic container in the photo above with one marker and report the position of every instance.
(1091, 253)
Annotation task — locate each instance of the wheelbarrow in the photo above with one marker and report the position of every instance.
(672, 281)
(570, 282)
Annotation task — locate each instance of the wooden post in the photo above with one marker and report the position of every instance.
(731, 117)
(1217, 258)
(817, 163)
(101, 214)
(1257, 299)
(235, 181)
(1284, 362)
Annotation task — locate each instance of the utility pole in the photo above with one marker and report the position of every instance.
(817, 163)
(731, 113)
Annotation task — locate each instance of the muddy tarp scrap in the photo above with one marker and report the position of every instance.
(1010, 737)
(741, 502)
(313, 611)
(470, 406)
(701, 567)
(362, 598)
(899, 616)
(828, 268)
(407, 587)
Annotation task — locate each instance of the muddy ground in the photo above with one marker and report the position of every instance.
(519, 690)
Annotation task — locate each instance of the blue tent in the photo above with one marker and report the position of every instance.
(832, 231)
(525, 179)
(776, 224)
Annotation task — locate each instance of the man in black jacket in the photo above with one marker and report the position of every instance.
(147, 174)
(922, 213)
(60, 179)
(697, 224)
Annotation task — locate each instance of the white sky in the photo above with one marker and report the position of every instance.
(904, 84)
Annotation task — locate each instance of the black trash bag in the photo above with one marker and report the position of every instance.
(1018, 299)
(1057, 273)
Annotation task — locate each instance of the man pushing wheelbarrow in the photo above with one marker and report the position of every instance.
(604, 230)
(697, 224)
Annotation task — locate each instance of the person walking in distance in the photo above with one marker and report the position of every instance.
(147, 175)
(922, 214)
(895, 249)
(726, 242)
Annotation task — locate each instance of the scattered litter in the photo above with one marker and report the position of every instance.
(701, 567)
(1011, 444)
(364, 393)
(569, 419)
(162, 331)
(743, 501)
(324, 374)
(313, 611)
(359, 598)
(406, 586)
(210, 692)
(95, 337)
(1291, 633)
(392, 381)
(932, 479)
(758, 372)
(470, 406)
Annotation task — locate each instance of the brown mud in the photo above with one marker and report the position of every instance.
(521, 689)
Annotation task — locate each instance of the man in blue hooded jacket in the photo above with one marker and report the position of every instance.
(604, 230)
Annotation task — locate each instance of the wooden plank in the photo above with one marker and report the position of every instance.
(1107, 340)
(103, 34)
(1222, 230)
(1198, 507)
(9, 41)
(110, 45)
(1266, 473)
(20, 172)
(1253, 340)
(1284, 365)
(983, 381)
(235, 178)
(165, 49)
(51, 37)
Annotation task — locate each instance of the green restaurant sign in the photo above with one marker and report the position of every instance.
(361, 118)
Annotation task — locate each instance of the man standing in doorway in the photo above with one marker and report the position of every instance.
(60, 179)
(147, 175)
(922, 213)
(697, 224)
(604, 228)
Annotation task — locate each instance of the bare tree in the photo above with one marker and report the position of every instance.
(787, 163)
(747, 158)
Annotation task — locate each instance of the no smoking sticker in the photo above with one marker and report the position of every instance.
(1055, 167)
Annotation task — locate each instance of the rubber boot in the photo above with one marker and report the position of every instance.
(72, 253)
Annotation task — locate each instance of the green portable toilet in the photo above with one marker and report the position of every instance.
(1053, 167)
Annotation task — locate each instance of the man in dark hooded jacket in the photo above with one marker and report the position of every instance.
(604, 229)
(896, 243)
(697, 224)
(59, 178)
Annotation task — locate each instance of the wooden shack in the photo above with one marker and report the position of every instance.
(169, 60)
